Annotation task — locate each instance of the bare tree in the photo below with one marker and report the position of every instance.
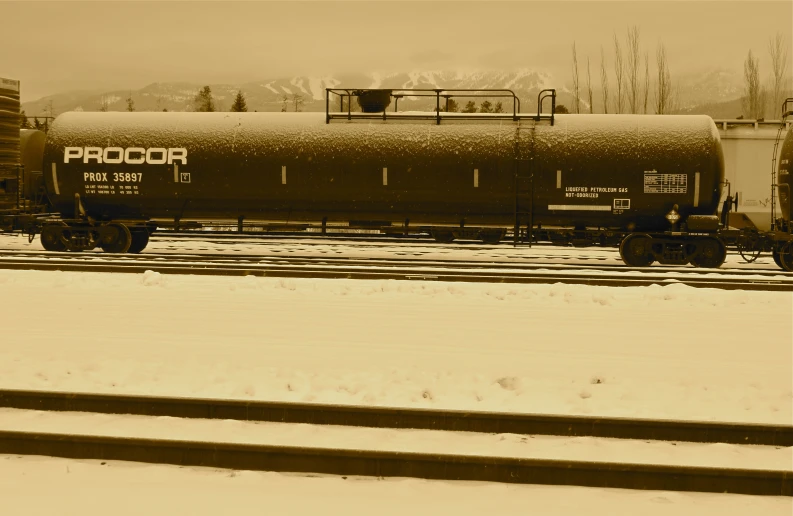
(646, 79)
(103, 104)
(618, 71)
(589, 87)
(284, 102)
(575, 81)
(663, 88)
(604, 81)
(674, 99)
(633, 68)
(778, 53)
(753, 101)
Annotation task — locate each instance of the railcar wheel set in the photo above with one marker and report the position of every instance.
(650, 184)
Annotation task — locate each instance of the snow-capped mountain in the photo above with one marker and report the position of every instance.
(710, 87)
(274, 94)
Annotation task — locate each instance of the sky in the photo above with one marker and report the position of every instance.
(67, 45)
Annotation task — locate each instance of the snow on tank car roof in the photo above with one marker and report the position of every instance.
(675, 126)
(190, 117)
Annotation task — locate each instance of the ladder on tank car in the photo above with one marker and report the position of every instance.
(524, 176)
(785, 113)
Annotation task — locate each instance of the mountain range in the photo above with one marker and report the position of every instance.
(714, 92)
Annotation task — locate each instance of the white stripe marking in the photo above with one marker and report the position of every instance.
(175, 173)
(476, 178)
(696, 189)
(579, 207)
(385, 176)
(558, 179)
(55, 180)
(283, 174)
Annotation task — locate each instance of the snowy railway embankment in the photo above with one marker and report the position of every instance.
(576, 351)
(527, 457)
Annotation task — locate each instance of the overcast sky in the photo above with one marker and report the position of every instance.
(59, 46)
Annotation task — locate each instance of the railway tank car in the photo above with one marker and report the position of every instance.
(580, 178)
(783, 225)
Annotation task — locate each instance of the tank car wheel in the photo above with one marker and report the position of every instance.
(442, 235)
(786, 260)
(51, 238)
(140, 239)
(635, 251)
(492, 236)
(777, 260)
(712, 253)
(116, 238)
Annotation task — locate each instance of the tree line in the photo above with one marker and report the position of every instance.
(633, 82)
(756, 97)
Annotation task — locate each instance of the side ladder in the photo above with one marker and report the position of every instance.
(785, 113)
(525, 169)
(524, 192)
(773, 176)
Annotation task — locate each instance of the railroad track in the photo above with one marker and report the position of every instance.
(400, 269)
(506, 263)
(405, 464)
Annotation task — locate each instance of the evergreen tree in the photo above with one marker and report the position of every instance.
(239, 105)
(561, 108)
(453, 107)
(499, 108)
(204, 102)
(486, 107)
(284, 103)
(130, 103)
(470, 107)
(24, 123)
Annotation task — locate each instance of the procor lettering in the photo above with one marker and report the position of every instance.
(130, 156)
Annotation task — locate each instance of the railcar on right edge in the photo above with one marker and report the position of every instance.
(779, 240)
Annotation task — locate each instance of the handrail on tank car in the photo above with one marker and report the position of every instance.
(542, 95)
(398, 93)
(785, 111)
(729, 123)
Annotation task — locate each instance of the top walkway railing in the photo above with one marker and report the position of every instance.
(374, 104)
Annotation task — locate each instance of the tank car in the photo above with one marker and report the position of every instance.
(650, 184)
(581, 179)
(782, 228)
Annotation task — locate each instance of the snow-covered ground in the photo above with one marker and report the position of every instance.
(36, 486)
(659, 352)
(668, 352)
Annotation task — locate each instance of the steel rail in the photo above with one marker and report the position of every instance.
(503, 264)
(373, 463)
(368, 272)
(397, 417)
